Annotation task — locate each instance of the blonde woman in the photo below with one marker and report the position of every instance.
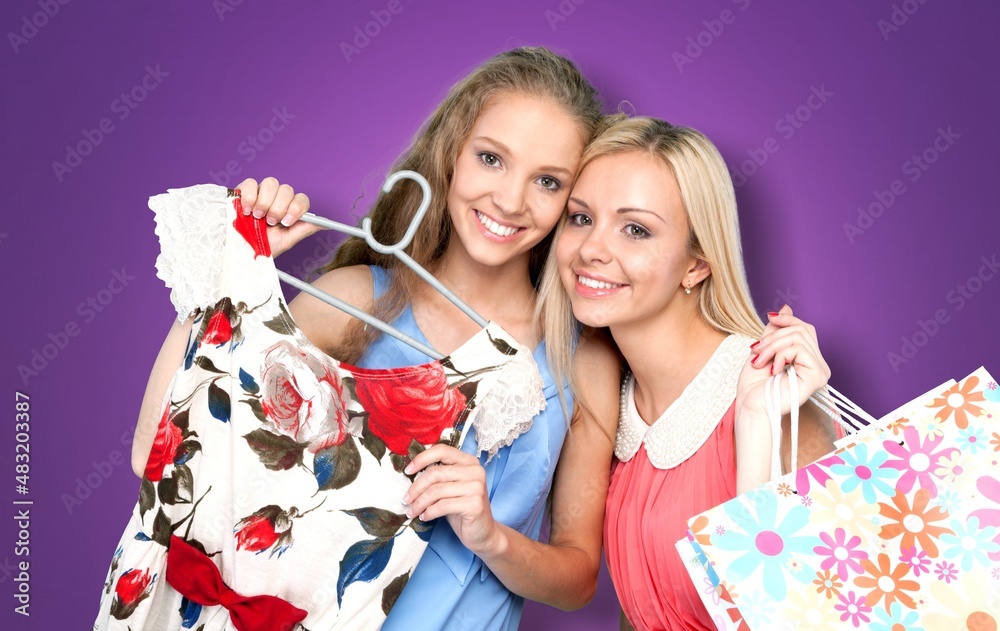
(650, 251)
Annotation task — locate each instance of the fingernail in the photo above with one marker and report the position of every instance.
(409, 513)
(247, 209)
(754, 360)
(258, 214)
(271, 221)
(772, 314)
(754, 345)
(406, 498)
(408, 469)
(286, 221)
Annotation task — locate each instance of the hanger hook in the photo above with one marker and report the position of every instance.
(425, 202)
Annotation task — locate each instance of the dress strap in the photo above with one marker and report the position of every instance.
(380, 280)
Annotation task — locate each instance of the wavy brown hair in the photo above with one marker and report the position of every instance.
(528, 70)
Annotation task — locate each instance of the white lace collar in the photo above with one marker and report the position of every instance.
(688, 422)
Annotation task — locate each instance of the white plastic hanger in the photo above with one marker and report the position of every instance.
(396, 250)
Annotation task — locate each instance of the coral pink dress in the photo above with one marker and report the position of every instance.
(667, 472)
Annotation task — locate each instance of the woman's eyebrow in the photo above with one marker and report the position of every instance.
(621, 211)
(499, 145)
(627, 209)
(505, 149)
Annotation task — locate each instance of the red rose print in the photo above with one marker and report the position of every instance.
(219, 329)
(303, 397)
(132, 588)
(164, 450)
(269, 526)
(131, 585)
(410, 405)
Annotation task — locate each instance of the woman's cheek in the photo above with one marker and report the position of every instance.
(566, 246)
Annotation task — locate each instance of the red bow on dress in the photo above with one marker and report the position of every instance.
(196, 577)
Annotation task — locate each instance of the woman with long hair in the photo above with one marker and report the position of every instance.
(650, 251)
(501, 153)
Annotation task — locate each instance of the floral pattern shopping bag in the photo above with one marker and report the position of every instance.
(899, 529)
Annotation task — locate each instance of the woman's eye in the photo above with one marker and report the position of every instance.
(636, 232)
(579, 219)
(489, 159)
(550, 183)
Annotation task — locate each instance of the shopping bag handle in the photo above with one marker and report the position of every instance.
(842, 410)
(772, 403)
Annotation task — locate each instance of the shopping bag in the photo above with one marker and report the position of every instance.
(899, 527)
(714, 594)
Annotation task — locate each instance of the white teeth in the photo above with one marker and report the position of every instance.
(494, 227)
(596, 284)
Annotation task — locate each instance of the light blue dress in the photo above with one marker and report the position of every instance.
(451, 588)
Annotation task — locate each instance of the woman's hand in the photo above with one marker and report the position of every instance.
(283, 208)
(456, 489)
(787, 341)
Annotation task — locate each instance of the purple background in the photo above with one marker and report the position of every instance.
(887, 94)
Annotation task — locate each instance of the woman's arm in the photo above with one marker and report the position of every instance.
(562, 573)
(168, 361)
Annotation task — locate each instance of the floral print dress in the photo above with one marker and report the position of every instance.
(272, 495)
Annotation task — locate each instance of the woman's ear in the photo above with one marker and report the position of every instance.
(697, 272)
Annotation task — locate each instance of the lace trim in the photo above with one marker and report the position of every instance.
(509, 408)
(690, 420)
(191, 226)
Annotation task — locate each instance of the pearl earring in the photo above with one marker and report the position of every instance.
(687, 290)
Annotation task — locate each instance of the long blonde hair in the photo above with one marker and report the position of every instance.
(714, 233)
(527, 70)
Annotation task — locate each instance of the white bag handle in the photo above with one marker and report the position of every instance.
(772, 402)
(847, 413)
(835, 404)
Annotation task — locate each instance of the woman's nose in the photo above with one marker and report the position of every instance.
(595, 246)
(509, 197)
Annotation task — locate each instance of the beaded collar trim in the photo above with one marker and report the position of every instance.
(690, 420)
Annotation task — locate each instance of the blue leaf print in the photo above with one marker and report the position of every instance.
(249, 385)
(422, 528)
(189, 359)
(337, 466)
(141, 536)
(323, 467)
(190, 611)
(218, 402)
(364, 561)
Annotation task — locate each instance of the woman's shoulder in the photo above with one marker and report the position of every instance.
(323, 323)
